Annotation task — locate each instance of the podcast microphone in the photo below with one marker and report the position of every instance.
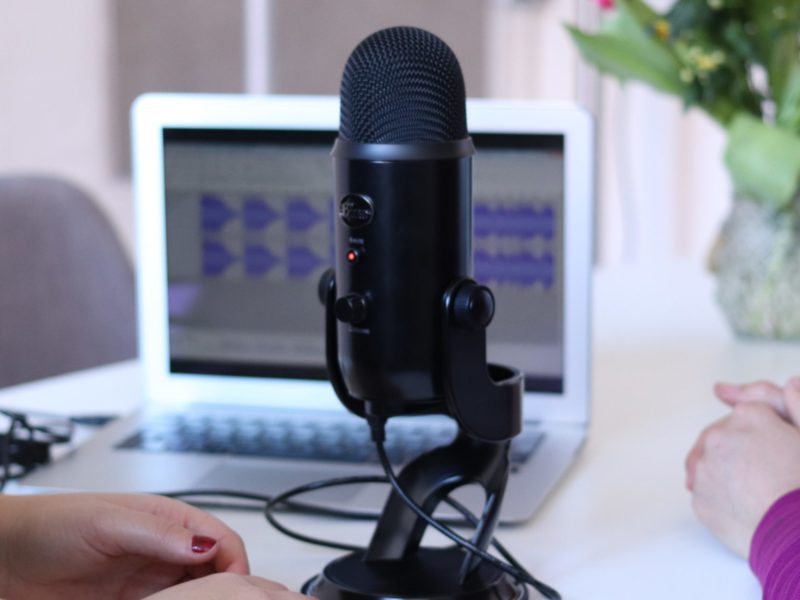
(405, 325)
(402, 164)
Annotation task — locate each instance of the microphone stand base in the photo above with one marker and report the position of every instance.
(429, 574)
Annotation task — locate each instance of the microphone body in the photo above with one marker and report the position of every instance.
(402, 165)
(403, 235)
(405, 325)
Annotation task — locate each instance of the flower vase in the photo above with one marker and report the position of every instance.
(756, 260)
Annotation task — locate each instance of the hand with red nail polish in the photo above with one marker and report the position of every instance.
(109, 546)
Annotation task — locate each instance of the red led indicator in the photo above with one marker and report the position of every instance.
(352, 256)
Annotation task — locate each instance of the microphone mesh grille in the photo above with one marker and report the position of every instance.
(402, 85)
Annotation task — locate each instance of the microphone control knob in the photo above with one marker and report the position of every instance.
(474, 306)
(351, 308)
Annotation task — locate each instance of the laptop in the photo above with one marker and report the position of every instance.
(234, 214)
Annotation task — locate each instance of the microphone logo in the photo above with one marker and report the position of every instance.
(356, 211)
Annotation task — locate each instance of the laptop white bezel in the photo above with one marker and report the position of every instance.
(152, 113)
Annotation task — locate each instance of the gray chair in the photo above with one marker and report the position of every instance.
(67, 299)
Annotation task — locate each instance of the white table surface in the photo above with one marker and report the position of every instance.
(620, 525)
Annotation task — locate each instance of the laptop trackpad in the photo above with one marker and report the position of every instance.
(267, 480)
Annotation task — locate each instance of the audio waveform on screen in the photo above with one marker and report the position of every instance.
(257, 214)
(244, 248)
(522, 221)
(214, 212)
(520, 268)
(302, 261)
(301, 215)
(259, 260)
(513, 241)
(216, 258)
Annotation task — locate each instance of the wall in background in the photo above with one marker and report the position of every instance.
(55, 98)
(663, 190)
(176, 46)
(309, 41)
(530, 54)
(71, 70)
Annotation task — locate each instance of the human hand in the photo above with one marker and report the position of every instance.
(785, 400)
(224, 586)
(739, 466)
(108, 546)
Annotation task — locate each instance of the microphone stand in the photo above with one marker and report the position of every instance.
(485, 400)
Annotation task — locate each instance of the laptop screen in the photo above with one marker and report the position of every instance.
(249, 228)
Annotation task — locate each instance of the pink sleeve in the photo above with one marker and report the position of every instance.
(775, 549)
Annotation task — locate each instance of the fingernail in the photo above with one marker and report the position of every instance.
(202, 544)
(795, 383)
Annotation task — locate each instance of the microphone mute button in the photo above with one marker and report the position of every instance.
(351, 308)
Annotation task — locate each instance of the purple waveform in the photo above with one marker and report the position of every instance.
(301, 261)
(514, 221)
(216, 258)
(301, 215)
(258, 259)
(214, 213)
(521, 268)
(257, 214)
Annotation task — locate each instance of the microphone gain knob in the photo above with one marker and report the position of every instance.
(351, 308)
(473, 306)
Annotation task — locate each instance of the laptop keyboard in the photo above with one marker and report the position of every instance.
(337, 440)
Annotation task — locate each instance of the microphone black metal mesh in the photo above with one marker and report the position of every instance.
(402, 85)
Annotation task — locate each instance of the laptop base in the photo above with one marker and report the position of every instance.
(98, 466)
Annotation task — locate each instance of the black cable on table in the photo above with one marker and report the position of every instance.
(514, 569)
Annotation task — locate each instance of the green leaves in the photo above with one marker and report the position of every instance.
(788, 102)
(628, 49)
(710, 54)
(764, 161)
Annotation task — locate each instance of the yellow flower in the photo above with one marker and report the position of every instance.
(709, 62)
(662, 29)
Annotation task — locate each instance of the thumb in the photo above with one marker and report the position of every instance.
(792, 398)
(144, 534)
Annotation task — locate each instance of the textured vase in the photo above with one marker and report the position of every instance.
(757, 263)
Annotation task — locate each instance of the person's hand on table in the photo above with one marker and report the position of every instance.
(110, 546)
(226, 586)
(785, 400)
(742, 463)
